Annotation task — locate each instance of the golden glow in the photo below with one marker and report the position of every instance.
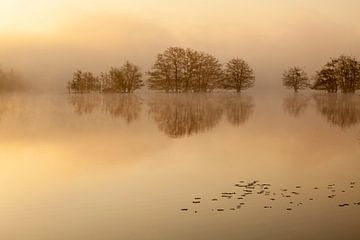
(108, 32)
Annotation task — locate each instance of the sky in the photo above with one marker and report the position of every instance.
(46, 41)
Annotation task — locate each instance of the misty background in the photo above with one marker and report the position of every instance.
(47, 41)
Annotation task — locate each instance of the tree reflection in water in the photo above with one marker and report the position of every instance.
(238, 108)
(188, 114)
(295, 105)
(342, 110)
(125, 106)
(84, 103)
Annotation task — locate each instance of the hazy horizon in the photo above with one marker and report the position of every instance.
(46, 42)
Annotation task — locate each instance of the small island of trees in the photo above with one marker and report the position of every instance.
(342, 73)
(176, 70)
(126, 79)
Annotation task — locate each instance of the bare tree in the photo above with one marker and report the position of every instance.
(126, 79)
(238, 75)
(340, 73)
(326, 79)
(132, 77)
(183, 70)
(83, 82)
(208, 73)
(295, 78)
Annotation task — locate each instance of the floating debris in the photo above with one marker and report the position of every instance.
(343, 205)
(256, 188)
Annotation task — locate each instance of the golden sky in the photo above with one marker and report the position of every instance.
(48, 40)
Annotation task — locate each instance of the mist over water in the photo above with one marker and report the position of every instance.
(123, 166)
(153, 120)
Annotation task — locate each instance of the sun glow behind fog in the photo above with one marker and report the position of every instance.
(65, 35)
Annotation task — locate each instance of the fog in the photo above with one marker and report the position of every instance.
(47, 42)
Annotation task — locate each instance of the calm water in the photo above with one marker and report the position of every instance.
(123, 167)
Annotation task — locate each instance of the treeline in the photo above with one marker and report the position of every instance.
(180, 70)
(175, 70)
(342, 73)
(125, 79)
(10, 81)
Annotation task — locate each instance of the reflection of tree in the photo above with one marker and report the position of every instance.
(84, 103)
(126, 106)
(3, 108)
(238, 108)
(341, 110)
(186, 114)
(296, 104)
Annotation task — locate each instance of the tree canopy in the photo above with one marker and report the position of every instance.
(238, 75)
(183, 70)
(342, 73)
(126, 79)
(295, 78)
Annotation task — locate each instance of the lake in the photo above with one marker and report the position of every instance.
(254, 165)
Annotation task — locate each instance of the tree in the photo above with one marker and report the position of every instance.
(126, 79)
(208, 73)
(295, 78)
(325, 79)
(83, 82)
(183, 70)
(238, 75)
(132, 77)
(340, 73)
(166, 73)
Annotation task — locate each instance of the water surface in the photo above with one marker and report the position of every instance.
(123, 166)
